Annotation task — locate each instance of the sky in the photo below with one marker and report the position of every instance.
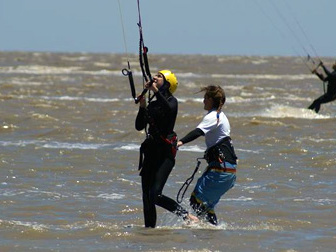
(207, 27)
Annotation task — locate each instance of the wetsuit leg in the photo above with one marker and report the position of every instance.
(161, 200)
(150, 163)
(316, 105)
(149, 209)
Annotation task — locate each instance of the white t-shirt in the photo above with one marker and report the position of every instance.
(213, 132)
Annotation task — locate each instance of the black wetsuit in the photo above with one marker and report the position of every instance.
(330, 95)
(159, 156)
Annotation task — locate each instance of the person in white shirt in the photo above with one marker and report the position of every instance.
(220, 174)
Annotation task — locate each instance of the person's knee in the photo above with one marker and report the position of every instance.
(155, 196)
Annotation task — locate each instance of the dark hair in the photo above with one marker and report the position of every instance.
(217, 94)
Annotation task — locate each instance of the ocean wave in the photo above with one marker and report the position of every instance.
(55, 145)
(110, 196)
(80, 146)
(131, 147)
(319, 201)
(38, 69)
(71, 98)
(245, 97)
(52, 70)
(76, 98)
(135, 147)
(292, 77)
(25, 226)
(320, 140)
(282, 111)
(23, 82)
(88, 146)
(241, 198)
(247, 151)
(191, 148)
(256, 227)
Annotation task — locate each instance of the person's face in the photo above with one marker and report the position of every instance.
(208, 103)
(334, 66)
(158, 79)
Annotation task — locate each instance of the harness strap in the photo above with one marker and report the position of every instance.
(219, 169)
(171, 141)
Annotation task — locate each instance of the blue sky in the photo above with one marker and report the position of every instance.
(224, 27)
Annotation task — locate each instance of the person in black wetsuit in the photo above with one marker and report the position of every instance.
(330, 95)
(157, 152)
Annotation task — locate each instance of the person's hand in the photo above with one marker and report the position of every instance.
(151, 85)
(142, 102)
(179, 143)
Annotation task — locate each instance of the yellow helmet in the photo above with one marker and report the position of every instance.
(171, 78)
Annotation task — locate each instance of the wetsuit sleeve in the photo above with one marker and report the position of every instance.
(192, 135)
(326, 70)
(140, 121)
(321, 77)
(168, 105)
(328, 73)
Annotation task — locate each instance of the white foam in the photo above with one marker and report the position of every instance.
(241, 198)
(248, 151)
(76, 98)
(281, 111)
(132, 147)
(292, 77)
(112, 196)
(320, 201)
(51, 70)
(55, 145)
(37, 69)
(191, 148)
(72, 98)
(81, 146)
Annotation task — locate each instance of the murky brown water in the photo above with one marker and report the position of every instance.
(69, 152)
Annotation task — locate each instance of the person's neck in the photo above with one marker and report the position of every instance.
(213, 109)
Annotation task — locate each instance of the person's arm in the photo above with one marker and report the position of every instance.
(192, 135)
(328, 73)
(167, 104)
(321, 77)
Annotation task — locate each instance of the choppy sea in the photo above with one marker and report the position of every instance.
(69, 155)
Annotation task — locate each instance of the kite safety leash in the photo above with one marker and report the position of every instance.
(187, 183)
(143, 58)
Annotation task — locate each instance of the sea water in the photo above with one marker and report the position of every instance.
(69, 155)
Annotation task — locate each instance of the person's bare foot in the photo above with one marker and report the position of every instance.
(192, 218)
